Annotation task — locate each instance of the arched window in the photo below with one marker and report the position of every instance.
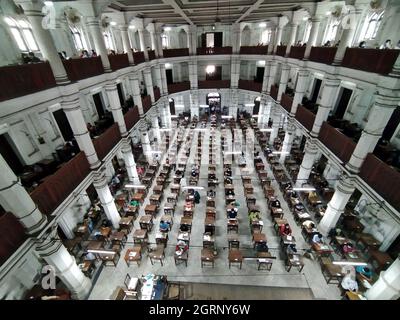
(108, 40)
(22, 33)
(371, 26)
(332, 31)
(266, 36)
(79, 41)
(307, 30)
(164, 41)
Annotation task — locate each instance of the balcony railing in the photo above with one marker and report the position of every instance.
(179, 86)
(131, 117)
(254, 50)
(170, 53)
(274, 91)
(138, 57)
(337, 142)
(322, 54)
(57, 187)
(20, 80)
(215, 50)
(297, 52)
(305, 117)
(281, 51)
(12, 235)
(83, 68)
(370, 60)
(157, 93)
(106, 141)
(382, 178)
(118, 61)
(286, 102)
(146, 102)
(152, 55)
(217, 84)
(250, 85)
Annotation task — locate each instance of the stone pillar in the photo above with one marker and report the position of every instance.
(387, 287)
(267, 102)
(156, 127)
(151, 29)
(65, 226)
(271, 76)
(328, 94)
(193, 40)
(270, 49)
(143, 44)
(344, 189)
(345, 41)
(70, 105)
(145, 140)
(331, 173)
(159, 40)
(235, 72)
(193, 74)
(292, 39)
(137, 99)
(95, 30)
(288, 140)
(194, 102)
(378, 118)
(236, 32)
(267, 70)
(33, 11)
(125, 42)
(15, 199)
(149, 83)
(56, 255)
(164, 91)
(310, 154)
(276, 118)
(115, 106)
(315, 22)
(129, 160)
(278, 38)
(106, 199)
(62, 37)
(157, 72)
(283, 82)
(300, 89)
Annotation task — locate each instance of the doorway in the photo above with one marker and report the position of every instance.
(211, 40)
(172, 106)
(120, 94)
(63, 124)
(343, 103)
(98, 102)
(256, 108)
(259, 75)
(170, 77)
(317, 86)
(216, 75)
(9, 155)
(392, 125)
(214, 101)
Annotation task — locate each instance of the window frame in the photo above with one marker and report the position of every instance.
(76, 33)
(22, 29)
(374, 18)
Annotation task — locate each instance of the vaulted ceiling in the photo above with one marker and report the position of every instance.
(202, 12)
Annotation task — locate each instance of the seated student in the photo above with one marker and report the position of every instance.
(293, 195)
(299, 206)
(228, 180)
(285, 230)
(232, 213)
(184, 228)
(134, 203)
(365, 272)
(276, 203)
(335, 232)
(228, 172)
(291, 249)
(349, 282)
(164, 226)
(181, 247)
(262, 247)
(347, 248)
(254, 215)
(317, 238)
(211, 193)
(194, 173)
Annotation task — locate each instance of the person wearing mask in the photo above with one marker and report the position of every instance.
(211, 193)
(276, 203)
(232, 213)
(387, 45)
(285, 230)
(362, 44)
(196, 197)
(93, 54)
(291, 249)
(84, 54)
(33, 58)
(365, 272)
(347, 248)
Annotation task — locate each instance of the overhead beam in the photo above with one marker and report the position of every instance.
(178, 9)
(249, 10)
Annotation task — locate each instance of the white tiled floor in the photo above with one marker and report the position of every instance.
(310, 278)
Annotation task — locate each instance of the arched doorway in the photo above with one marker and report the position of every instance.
(213, 100)
(172, 106)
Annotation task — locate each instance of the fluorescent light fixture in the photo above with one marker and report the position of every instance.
(173, 116)
(328, 13)
(193, 187)
(261, 63)
(113, 23)
(210, 69)
(164, 129)
(280, 152)
(203, 106)
(168, 65)
(226, 117)
(305, 18)
(262, 24)
(232, 152)
(255, 116)
(101, 251)
(349, 263)
(48, 3)
(304, 189)
(249, 104)
(167, 29)
(132, 27)
(135, 186)
(179, 106)
(154, 151)
(266, 130)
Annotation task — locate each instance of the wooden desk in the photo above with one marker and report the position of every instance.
(155, 199)
(161, 238)
(140, 236)
(235, 256)
(138, 197)
(172, 198)
(276, 212)
(259, 238)
(264, 261)
(187, 221)
(368, 240)
(157, 254)
(210, 202)
(294, 260)
(322, 250)
(133, 255)
(246, 180)
(233, 241)
(118, 237)
(184, 236)
(181, 258)
(278, 222)
(158, 189)
(175, 188)
(126, 223)
(248, 188)
(211, 212)
(146, 181)
(169, 209)
(151, 209)
(286, 240)
(229, 199)
(168, 219)
(146, 222)
(382, 259)
(233, 225)
(208, 241)
(331, 272)
(110, 258)
(209, 224)
(105, 231)
(207, 256)
(87, 267)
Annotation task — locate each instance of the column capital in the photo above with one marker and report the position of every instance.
(123, 27)
(49, 243)
(111, 86)
(31, 7)
(100, 180)
(315, 19)
(345, 184)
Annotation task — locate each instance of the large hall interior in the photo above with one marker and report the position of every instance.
(200, 150)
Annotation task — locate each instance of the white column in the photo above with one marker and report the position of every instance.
(328, 95)
(288, 140)
(331, 173)
(106, 199)
(267, 102)
(260, 118)
(193, 74)
(344, 189)
(158, 80)
(142, 44)
(300, 89)
(267, 71)
(278, 38)
(64, 224)
(149, 83)
(283, 82)
(276, 118)
(144, 138)
(292, 39)
(62, 37)
(236, 31)
(193, 40)
(33, 11)
(271, 43)
(159, 42)
(194, 102)
(15, 199)
(378, 118)
(345, 41)
(315, 22)
(387, 287)
(137, 99)
(130, 163)
(56, 255)
(164, 89)
(156, 127)
(310, 153)
(178, 74)
(125, 43)
(94, 27)
(271, 76)
(74, 114)
(115, 106)
(235, 72)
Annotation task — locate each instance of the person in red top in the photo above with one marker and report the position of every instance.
(285, 230)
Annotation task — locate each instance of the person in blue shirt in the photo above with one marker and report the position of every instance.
(164, 227)
(365, 272)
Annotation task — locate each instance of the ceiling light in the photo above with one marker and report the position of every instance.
(213, 27)
(349, 263)
(174, 116)
(132, 27)
(167, 29)
(280, 152)
(262, 25)
(266, 130)
(113, 23)
(168, 65)
(249, 104)
(328, 13)
(261, 63)
(210, 69)
(305, 18)
(48, 3)
(304, 189)
(193, 187)
(226, 117)
(135, 186)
